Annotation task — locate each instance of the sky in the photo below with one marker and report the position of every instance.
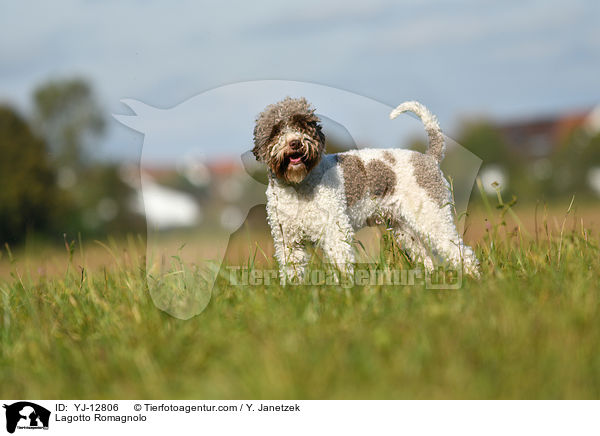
(497, 59)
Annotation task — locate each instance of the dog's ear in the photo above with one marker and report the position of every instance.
(263, 130)
(320, 135)
(315, 130)
(260, 142)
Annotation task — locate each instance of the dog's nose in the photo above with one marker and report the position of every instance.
(295, 144)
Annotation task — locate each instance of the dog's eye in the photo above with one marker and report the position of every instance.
(275, 131)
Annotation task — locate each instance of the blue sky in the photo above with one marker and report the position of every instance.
(502, 59)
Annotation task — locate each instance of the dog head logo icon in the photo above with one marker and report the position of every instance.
(26, 415)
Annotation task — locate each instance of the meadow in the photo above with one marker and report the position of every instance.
(529, 328)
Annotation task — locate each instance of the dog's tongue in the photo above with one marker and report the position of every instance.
(295, 160)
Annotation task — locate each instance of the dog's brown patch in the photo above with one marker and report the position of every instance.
(389, 157)
(355, 177)
(381, 178)
(429, 177)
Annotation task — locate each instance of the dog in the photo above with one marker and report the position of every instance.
(323, 199)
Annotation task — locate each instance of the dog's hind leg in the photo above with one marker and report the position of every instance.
(439, 232)
(411, 242)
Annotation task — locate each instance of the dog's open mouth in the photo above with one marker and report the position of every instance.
(295, 158)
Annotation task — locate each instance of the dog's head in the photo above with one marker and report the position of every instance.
(288, 138)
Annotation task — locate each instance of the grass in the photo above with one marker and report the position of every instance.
(530, 328)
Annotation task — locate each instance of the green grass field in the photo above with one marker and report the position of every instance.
(530, 328)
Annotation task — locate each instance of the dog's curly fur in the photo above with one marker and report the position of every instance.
(324, 199)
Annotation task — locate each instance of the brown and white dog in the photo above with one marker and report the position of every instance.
(324, 198)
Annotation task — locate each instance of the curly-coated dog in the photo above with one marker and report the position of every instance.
(324, 198)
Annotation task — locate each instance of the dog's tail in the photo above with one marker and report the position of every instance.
(437, 145)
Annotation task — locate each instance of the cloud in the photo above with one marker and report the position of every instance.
(458, 56)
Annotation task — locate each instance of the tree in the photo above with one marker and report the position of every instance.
(69, 117)
(28, 199)
(484, 140)
(576, 155)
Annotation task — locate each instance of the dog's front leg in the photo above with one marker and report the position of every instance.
(337, 246)
(295, 262)
(291, 256)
